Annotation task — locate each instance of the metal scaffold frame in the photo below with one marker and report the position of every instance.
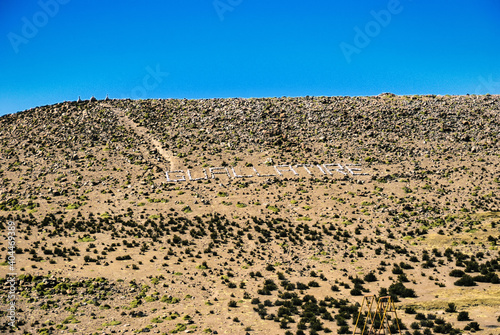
(384, 307)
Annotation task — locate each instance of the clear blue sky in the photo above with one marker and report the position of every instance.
(244, 48)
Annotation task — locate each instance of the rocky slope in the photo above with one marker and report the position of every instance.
(105, 244)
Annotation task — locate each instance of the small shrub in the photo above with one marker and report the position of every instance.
(356, 291)
(466, 280)
(452, 308)
(410, 310)
(456, 273)
(370, 277)
(472, 326)
(273, 209)
(463, 316)
(344, 330)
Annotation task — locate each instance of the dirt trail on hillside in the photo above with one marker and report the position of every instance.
(142, 131)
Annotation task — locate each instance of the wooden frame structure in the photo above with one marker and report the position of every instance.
(384, 307)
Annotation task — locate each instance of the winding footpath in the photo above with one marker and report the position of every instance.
(142, 131)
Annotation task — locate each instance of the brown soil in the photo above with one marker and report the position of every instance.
(106, 245)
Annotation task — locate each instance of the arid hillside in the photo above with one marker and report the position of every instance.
(236, 216)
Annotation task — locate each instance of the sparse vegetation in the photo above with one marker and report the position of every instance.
(104, 240)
